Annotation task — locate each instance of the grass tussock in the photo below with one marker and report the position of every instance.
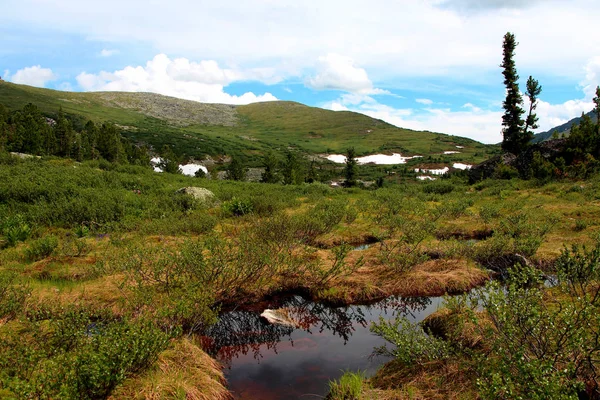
(436, 380)
(183, 371)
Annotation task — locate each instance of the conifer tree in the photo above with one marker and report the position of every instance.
(514, 135)
(293, 173)
(533, 91)
(350, 168)
(235, 170)
(270, 163)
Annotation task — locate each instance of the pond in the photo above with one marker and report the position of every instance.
(264, 361)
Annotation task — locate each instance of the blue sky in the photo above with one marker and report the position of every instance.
(425, 65)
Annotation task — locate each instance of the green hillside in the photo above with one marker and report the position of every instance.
(196, 129)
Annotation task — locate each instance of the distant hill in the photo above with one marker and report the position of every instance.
(198, 129)
(563, 129)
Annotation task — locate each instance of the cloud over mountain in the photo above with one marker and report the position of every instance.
(200, 81)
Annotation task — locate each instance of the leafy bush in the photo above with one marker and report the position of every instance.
(12, 296)
(15, 229)
(41, 248)
(438, 187)
(506, 172)
(411, 344)
(238, 207)
(76, 359)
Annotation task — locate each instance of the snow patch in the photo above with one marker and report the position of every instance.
(461, 166)
(187, 169)
(379, 159)
(440, 171)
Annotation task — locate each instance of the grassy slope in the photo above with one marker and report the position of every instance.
(198, 129)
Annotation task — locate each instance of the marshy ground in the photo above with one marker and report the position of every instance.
(106, 253)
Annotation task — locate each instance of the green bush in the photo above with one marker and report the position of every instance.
(438, 187)
(76, 358)
(238, 207)
(41, 248)
(15, 229)
(12, 296)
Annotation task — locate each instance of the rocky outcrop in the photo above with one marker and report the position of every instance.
(549, 150)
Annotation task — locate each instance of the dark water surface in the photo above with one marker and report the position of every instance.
(271, 362)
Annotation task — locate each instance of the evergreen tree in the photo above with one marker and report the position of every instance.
(169, 163)
(350, 168)
(90, 139)
(33, 130)
(109, 144)
(312, 175)
(64, 135)
(270, 163)
(515, 138)
(235, 170)
(533, 91)
(293, 173)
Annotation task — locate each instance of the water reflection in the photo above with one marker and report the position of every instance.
(242, 333)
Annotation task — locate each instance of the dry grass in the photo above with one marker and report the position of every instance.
(183, 371)
(438, 380)
(432, 278)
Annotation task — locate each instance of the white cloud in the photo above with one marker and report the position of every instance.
(33, 76)
(592, 78)
(203, 81)
(426, 102)
(337, 72)
(108, 52)
(388, 38)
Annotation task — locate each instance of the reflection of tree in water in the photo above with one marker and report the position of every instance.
(409, 307)
(242, 332)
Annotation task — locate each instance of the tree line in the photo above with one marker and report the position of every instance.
(29, 131)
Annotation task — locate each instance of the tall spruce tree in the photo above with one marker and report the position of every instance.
(533, 91)
(515, 139)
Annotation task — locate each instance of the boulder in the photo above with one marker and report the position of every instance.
(201, 194)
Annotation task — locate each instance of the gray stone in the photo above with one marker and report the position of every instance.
(201, 194)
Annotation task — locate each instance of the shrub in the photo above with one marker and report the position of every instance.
(504, 171)
(238, 207)
(438, 187)
(15, 229)
(12, 296)
(411, 344)
(41, 248)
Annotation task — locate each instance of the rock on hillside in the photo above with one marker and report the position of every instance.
(548, 149)
(176, 111)
(200, 194)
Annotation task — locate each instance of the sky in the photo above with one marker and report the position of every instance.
(418, 64)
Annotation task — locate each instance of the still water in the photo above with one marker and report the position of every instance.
(264, 361)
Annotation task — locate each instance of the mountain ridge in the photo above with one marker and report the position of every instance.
(197, 129)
